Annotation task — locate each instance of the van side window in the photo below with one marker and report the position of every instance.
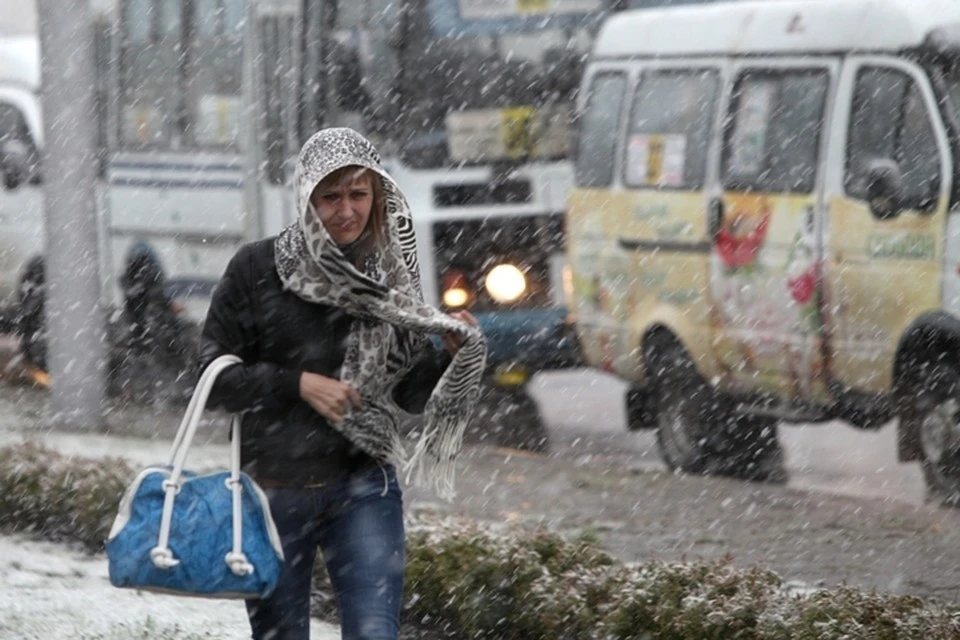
(599, 127)
(670, 127)
(772, 139)
(890, 121)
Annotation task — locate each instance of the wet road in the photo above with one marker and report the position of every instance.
(584, 413)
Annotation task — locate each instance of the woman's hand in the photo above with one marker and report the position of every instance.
(330, 398)
(453, 341)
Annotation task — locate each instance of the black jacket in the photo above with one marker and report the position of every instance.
(279, 335)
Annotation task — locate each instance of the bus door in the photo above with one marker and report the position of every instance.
(765, 225)
(175, 177)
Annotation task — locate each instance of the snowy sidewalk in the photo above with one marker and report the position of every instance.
(136, 451)
(50, 590)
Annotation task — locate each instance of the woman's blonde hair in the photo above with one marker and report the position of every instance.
(374, 236)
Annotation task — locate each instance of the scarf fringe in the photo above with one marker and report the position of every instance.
(433, 461)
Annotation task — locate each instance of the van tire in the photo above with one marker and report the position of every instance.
(933, 417)
(698, 433)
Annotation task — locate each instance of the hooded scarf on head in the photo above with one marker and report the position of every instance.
(391, 320)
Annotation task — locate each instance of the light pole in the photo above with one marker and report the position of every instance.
(74, 315)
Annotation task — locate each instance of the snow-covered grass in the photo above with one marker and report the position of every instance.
(52, 591)
(480, 581)
(137, 451)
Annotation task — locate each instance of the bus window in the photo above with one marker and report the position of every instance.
(672, 116)
(234, 16)
(139, 21)
(150, 79)
(208, 18)
(170, 20)
(214, 75)
(600, 124)
(275, 84)
(181, 73)
(773, 140)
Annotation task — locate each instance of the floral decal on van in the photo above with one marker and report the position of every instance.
(802, 276)
(744, 232)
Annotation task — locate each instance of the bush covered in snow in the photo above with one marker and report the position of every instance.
(538, 586)
(59, 497)
(485, 582)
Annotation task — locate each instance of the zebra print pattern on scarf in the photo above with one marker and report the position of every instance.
(391, 323)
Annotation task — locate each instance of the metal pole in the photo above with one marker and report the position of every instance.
(74, 316)
(307, 88)
(328, 62)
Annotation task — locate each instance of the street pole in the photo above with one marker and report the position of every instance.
(74, 315)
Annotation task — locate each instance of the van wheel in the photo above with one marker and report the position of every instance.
(698, 433)
(935, 415)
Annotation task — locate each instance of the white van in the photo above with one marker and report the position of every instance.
(21, 138)
(766, 225)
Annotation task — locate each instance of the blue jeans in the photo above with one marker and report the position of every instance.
(358, 526)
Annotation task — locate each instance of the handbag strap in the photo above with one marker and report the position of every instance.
(195, 409)
(161, 555)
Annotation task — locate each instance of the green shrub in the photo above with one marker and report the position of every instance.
(489, 583)
(60, 497)
(527, 586)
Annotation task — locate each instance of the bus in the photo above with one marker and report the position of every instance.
(203, 106)
(171, 160)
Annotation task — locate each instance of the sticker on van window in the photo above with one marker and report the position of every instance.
(674, 156)
(656, 160)
(749, 139)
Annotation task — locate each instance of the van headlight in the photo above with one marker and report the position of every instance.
(456, 297)
(456, 290)
(505, 283)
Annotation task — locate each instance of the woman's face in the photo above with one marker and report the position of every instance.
(344, 209)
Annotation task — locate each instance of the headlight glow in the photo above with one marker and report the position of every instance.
(456, 297)
(505, 283)
(456, 289)
(567, 285)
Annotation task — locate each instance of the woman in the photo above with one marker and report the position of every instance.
(330, 323)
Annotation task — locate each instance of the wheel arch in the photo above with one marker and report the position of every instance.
(932, 337)
(672, 322)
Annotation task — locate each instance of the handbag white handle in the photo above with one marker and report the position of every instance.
(161, 555)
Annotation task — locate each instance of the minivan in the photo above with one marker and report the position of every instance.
(765, 226)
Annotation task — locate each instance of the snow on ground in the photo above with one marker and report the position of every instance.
(137, 451)
(49, 590)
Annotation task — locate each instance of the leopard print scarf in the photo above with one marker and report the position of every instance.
(391, 320)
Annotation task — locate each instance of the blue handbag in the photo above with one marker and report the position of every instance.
(208, 535)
